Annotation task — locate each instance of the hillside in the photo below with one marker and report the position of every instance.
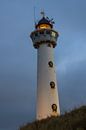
(74, 120)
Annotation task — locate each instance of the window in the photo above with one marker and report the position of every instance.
(34, 38)
(36, 34)
(50, 63)
(44, 26)
(52, 84)
(47, 32)
(53, 34)
(54, 107)
(41, 32)
(49, 45)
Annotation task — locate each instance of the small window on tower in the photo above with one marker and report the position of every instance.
(41, 32)
(49, 45)
(50, 63)
(54, 107)
(36, 34)
(52, 84)
(47, 32)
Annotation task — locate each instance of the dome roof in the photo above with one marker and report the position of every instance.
(44, 21)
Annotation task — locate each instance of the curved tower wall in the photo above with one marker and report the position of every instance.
(46, 96)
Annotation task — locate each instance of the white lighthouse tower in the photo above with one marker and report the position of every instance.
(44, 39)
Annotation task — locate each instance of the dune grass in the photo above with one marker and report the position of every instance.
(74, 120)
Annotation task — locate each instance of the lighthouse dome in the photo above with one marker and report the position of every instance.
(44, 21)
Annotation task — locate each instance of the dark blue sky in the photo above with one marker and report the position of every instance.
(18, 57)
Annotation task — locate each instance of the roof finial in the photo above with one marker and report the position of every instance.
(42, 13)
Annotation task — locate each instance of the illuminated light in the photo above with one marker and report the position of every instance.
(53, 34)
(44, 26)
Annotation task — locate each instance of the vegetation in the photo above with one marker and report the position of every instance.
(74, 120)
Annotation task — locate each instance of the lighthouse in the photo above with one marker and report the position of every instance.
(44, 39)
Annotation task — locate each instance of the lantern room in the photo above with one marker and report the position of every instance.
(44, 33)
(44, 23)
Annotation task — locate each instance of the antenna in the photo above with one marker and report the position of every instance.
(42, 13)
(34, 16)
